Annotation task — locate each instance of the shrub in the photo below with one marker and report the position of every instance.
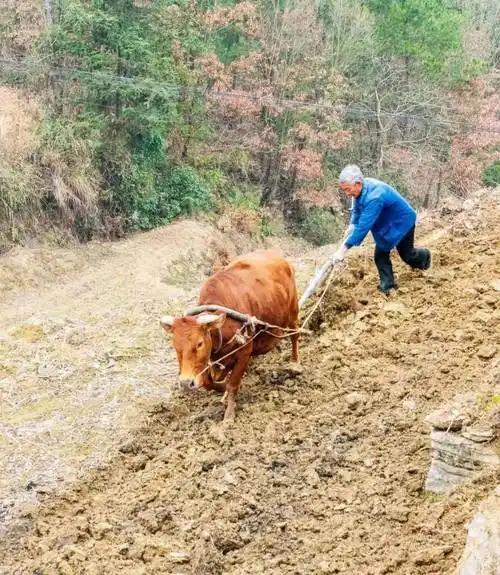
(491, 175)
(320, 226)
(246, 198)
(182, 193)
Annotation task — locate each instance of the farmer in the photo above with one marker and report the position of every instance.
(378, 208)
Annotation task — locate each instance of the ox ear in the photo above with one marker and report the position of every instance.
(166, 322)
(211, 320)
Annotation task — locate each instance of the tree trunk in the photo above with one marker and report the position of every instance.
(49, 11)
(380, 134)
(267, 188)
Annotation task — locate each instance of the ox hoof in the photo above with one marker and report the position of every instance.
(229, 414)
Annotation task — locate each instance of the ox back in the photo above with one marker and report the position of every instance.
(260, 284)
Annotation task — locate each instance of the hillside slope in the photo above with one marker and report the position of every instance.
(310, 478)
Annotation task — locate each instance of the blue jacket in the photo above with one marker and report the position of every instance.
(384, 212)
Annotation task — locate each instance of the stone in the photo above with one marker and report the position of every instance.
(139, 462)
(456, 459)
(479, 435)
(395, 307)
(100, 529)
(495, 284)
(399, 514)
(487, 351)
(481, 555)
(490, 299)
(179, 557)
(455, 415)
(65, 568)
(137, 549)
(410, 404)
(218, 433)
(130, 447)
(123, 548)
(354, 400)
(312, 477)
(432, 555)
(450, 205)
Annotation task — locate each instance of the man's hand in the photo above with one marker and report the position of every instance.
(339, 255)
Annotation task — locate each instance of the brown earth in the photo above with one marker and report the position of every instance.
(81, 353)
(323, 469)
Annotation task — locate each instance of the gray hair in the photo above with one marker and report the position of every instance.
(351, 175)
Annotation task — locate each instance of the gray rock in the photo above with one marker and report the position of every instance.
(179, 557)
(481, 555)
(479, 435)
(456, 459)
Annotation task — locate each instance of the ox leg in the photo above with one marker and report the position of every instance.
(234, 380)
(295, 346)
(295, 338)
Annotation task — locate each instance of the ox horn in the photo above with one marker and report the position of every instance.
(166, 322)
(209, 319)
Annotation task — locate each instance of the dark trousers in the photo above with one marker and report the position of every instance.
(419, 258)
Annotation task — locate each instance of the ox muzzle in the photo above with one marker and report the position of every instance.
(191, 383)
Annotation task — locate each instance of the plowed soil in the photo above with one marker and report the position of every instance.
(323, 469)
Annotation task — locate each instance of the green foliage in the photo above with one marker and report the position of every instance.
(272, 224)
(491, 175)
(244, 198)
(427, 32)
(230, 44)
(216, 180)
(16, 192)
(396, 178)
(149, 202)
(127, 131)
(120, 104)
(320, 226)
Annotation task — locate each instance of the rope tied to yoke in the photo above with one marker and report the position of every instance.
(242, 335)
(252, 322)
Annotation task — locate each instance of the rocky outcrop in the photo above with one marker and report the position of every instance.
(481, 555)
(461, 445)
(455, 459)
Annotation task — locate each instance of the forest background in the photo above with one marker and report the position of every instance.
(122, 116)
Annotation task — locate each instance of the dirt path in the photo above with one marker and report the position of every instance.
(311, 478)
(81, 353)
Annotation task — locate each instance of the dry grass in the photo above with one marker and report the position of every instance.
(67, 174)
(21, 38)
(20, 185)
(19, 117)
(75, 195)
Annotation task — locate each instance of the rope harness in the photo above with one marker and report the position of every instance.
(248, 330)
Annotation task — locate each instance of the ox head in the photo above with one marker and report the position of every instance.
(191, 338)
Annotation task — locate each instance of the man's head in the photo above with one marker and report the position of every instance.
(351, 180)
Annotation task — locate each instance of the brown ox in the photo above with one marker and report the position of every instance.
(260, 284)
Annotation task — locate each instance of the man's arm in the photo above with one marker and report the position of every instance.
(365, 222)
(354, 214)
